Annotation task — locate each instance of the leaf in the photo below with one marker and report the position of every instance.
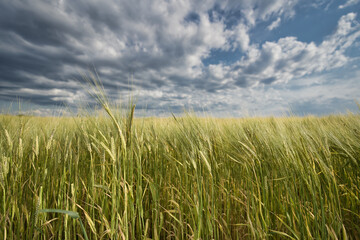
(90, 222)
(72, 214)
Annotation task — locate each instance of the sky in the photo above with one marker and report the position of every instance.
(226, 58)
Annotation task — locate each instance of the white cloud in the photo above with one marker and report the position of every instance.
(241, 35)
(286, 60)
(349, 3)
(274, 24)
(255, 10)
(289, 58)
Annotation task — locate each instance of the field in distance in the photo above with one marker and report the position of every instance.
(180, 178)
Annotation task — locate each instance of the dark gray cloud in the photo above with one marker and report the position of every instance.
(56, 39)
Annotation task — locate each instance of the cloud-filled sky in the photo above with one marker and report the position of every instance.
(224, 57)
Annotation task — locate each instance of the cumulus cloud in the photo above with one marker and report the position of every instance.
(288, 58)
(241, 37)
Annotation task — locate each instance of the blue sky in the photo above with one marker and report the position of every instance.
(225, 58)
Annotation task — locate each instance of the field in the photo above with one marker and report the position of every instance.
(180, 177)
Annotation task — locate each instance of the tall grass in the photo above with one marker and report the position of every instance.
(180, 177)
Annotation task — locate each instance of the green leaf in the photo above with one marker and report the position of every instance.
(72, 214)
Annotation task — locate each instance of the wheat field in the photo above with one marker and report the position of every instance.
(118, 177)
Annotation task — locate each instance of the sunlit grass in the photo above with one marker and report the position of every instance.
(180, 178)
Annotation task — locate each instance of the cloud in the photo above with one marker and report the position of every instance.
(288, 58)
(55, 40)
(274, 24)
(162, 44)
(349, 3)
(241, 37)
(258, 10)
